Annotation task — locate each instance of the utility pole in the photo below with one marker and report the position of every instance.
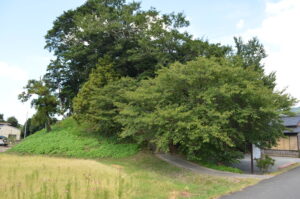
(25, 129)
(252, 165)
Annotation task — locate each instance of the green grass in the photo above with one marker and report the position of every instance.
(141, 176)
(69, 139)
(220, 167)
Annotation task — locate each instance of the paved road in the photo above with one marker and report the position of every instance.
(179, 162)
(244, 164)
(284, 186)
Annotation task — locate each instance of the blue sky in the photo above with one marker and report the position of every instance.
(23, 25)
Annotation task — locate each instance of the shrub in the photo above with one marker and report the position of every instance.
(265, 163)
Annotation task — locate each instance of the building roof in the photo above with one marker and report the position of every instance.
(292, 130)
(291, 121)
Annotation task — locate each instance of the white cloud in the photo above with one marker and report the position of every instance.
(8, 71)
(280, 34)
(240, 24)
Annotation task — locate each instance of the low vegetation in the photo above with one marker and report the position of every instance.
(220, 167)
(141, 176)
(67, 139)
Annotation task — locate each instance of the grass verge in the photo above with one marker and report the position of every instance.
(220, 167)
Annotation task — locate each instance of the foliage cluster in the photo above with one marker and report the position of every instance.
(137, 42)
(67, 139)
(200, 109)
(265, 163)
(45, 103)
(11, 120)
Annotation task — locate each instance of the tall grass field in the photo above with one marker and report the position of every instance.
(138, 177)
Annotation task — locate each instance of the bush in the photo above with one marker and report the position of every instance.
(265, 163)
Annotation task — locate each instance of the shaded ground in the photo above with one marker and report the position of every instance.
(179, 162)
(284, 186)
(245, 164)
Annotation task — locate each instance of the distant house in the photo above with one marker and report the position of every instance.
(9, 131)
(289, 145)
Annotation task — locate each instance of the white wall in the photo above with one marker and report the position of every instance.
(6, 130)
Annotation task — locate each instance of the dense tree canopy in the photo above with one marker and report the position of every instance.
(138, 42)
(13, 121)
(100, 108)
(205, 107)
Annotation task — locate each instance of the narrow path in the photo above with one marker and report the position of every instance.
(283, 186)
(179, 162)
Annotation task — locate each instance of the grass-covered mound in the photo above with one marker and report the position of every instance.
(67, 138)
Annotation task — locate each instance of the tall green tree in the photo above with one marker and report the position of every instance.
(44, 102)
(251, 53)
(100, 108)
(13, 121)
(139, 42)
(207, 109)
(2, 118)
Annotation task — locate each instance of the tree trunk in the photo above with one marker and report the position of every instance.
(172, 148)
(48, 125)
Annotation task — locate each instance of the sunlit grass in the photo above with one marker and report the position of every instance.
(43, 177)
(141, 177)
(69, 139)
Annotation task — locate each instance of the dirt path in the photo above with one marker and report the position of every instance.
(179, 162)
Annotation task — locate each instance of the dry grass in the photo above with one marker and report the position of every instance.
(45, 178)
(139, 177)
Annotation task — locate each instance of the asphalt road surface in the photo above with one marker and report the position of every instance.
(284, 186)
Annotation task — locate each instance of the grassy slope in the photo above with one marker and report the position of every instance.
(137, 177)
(69, 139)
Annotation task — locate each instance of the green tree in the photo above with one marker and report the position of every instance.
(139, 42)
(100, 109)
(252, 53)
(45, 103)
(207, 109)
(13, 121)
(2, 118)
(33, 126)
